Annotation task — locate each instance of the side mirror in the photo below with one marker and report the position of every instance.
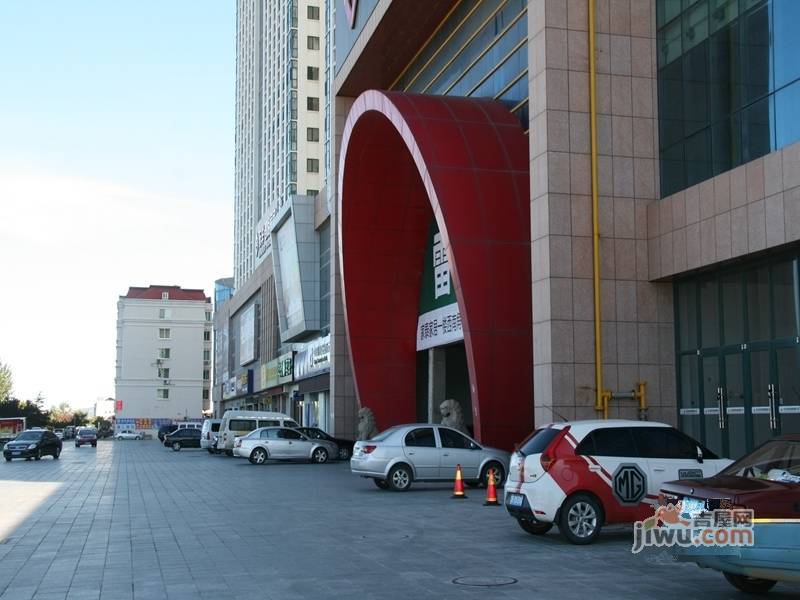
(699, 454)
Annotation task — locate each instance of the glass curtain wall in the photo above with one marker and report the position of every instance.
(728, 85)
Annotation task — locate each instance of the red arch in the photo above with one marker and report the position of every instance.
(405, 157)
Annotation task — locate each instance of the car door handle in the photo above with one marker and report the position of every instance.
(446, 454)
(658, 469)
(411, 453)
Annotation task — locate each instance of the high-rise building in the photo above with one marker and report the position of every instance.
(163, 369)
(535, 219)
(272, 335)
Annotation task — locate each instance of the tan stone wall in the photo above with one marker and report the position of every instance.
(637, 315)
(751, 208)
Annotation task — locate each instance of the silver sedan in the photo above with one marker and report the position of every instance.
(425, 452)
(282, 443)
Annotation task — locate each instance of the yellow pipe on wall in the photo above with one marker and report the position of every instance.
(601, 403)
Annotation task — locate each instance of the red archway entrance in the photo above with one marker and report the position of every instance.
(405, 159)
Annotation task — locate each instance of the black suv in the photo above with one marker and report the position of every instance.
(34, 443)
(165, 430)
(86, 435)
(315, 433)
(183, 438)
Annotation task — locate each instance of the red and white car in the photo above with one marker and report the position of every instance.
(581, 475)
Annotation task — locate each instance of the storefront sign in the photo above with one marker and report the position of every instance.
(314, 359)
(247, 335)
(244, 383)
(269, 374)
(229, 389)
(118, 406)
(285, 368)
(439, 320)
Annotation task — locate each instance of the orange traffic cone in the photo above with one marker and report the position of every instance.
(458, 488)
(491, 491)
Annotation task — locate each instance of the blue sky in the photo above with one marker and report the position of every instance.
(116, 169)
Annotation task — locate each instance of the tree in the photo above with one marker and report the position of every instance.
(6, 382)
(32, 410)
(61, 416)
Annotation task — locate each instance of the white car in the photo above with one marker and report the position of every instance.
(59, 433)
(282, 443)
(127, 435)
(581, 475)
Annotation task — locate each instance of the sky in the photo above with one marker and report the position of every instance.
(116, 169)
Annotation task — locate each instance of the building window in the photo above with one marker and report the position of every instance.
(312, 192)
(163, 333)
(163, 353)
(313, 42)
(162, 394)
(325, 278)
(312, 134)
(165, 295)
(163, 313)
(206, 354)
(206, 374)
(163, 373)
(312, 73)
(312, 103)
(206, 336)
(208, 316)
(312, 165)
(313, 13)
(205, 394)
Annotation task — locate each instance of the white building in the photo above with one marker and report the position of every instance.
(280, 114)
(163, 356)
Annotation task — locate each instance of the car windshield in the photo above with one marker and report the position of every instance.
(383, 434)
(777, 460)
(29, 435)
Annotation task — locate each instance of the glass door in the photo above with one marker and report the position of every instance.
(761, 388)
(713, 395)
(734, 402)
(787, 392)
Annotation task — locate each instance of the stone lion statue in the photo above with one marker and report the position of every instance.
(452, 415)
(367, 428)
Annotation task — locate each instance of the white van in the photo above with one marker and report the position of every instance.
(208, 435)
(241, 422)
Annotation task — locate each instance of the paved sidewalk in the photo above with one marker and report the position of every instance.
(135, 520)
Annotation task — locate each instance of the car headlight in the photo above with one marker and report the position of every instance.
(31, 446)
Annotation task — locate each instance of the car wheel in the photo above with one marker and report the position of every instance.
(8, 458)
(57, 453)
(138, 437)
(381, 483)
(39, 454)
(258, 456)
(534, 527)
(176, 446)
(400, 478)
(751, 585)
(499, 474)
(320, 455)
(210, 451)
(581, 519)
(344, 453)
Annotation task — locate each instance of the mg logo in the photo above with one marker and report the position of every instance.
(350, 7)
(629, 484)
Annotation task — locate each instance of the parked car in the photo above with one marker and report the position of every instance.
(188, 437)
(767, 481)
(69, 432)
(165, 430)
(59, 433)
(237, 423)
(282, 443)
(424, 452)
(127, 434)
(344, 447)
(33, 444)
(208, 434)
(582, 475)
(86, 435)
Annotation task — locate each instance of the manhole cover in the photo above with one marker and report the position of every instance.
(484, 581)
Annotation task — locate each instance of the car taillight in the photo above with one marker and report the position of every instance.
(238, 443)
(546, 461)
(368, 449)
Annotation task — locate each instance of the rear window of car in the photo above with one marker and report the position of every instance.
(215, 427)
(538, 441)
(383, 434)
(88, 431)
(242, 424)
(269, 423)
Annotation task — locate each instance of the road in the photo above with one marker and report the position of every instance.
(135, 520)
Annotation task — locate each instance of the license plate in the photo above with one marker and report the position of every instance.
(691, 507)
(515, 500)
(16, 453)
